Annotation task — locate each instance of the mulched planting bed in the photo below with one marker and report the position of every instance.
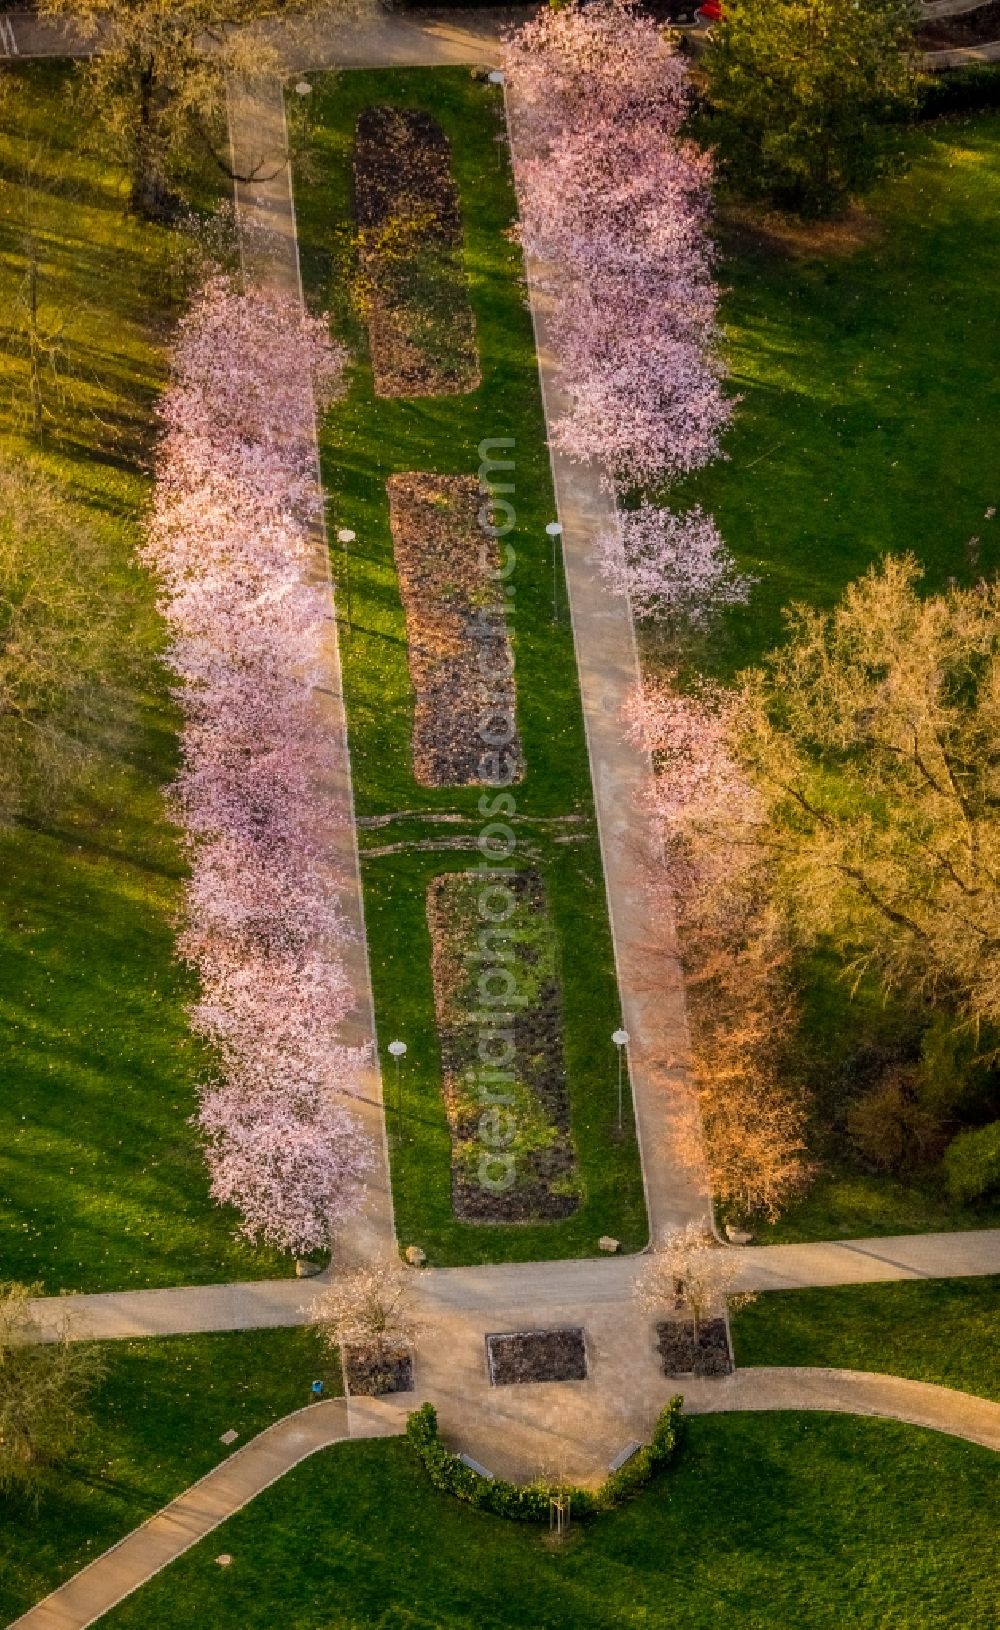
(676, 1346)
(536, 1355)
(410, 282)
(458, 645)
(505, 1091)
(368, 1376)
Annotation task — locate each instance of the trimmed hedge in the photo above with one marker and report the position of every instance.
(529, 1502)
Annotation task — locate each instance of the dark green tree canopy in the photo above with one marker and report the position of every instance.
(805, 93)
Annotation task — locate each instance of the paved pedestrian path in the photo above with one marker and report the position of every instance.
(220, 1494)
(119, 1572)
(931, 10)
(961, 56)
(538, 1286)
(572, 1430)
(850, 1392)
(650, 982)
(265, 211)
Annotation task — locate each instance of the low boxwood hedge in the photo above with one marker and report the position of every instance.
(529, 1502)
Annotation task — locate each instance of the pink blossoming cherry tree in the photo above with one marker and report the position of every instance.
(614, 204)
(672, 567)
(230, 540)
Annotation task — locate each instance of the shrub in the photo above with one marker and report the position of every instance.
(951, 1071)
(529, 1502)
(964, 90)
(972, 1162)
(891, 1127)
(801, 93)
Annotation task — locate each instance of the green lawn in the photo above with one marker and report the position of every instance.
(156, 1422)
(942, 1330)
(867, 374)
(867, 368)
(764, 1523)
(102, 1184)
(364, 440)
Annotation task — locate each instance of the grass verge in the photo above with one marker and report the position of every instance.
(156, 1422)
(364, 440)
(763, 1523)
(940, 1330)
(102, 1183)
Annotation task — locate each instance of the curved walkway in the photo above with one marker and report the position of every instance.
(229, 1487)
(573, 1429)
(851, 1392)
(576, 1428)
(962, 56)
(932, 10)
(218, 1495)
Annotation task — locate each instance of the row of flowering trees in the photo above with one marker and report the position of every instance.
(616, 201)
(736, 948)
(614, 205)
(231, 540)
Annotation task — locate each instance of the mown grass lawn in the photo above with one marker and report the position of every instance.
(764, 1523)
(867, 368)
(867, 362)
(157, 1417)
(364, 440)
(102, 1184)
(941, 1330)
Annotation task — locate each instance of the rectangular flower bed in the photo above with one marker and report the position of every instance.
(410, 282)
(496, 996)
(464, 722)
(536, 1355)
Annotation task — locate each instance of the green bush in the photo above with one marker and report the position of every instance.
(529, 1502)
(962, 90)
(972, 1162)
(802, 94)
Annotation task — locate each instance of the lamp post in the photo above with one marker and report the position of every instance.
(345, 537)
(397, 1050)
(554, 531)
(497, 77)
(620, 1039)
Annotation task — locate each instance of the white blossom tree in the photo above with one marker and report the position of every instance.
(688, 1268)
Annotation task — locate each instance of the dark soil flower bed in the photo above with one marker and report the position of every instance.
(977, 27)
(369, 1376)
(458, 646)
(513, 1158)
(536, 1355)
(410, 276)
(682, 1356)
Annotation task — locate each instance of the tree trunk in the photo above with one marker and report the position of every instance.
(150, 196)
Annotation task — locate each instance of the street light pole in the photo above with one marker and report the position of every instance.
(397, 1050)
(620, 1039)
(554, 531)
(345, 537)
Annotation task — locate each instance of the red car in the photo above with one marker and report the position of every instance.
(710, 12)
